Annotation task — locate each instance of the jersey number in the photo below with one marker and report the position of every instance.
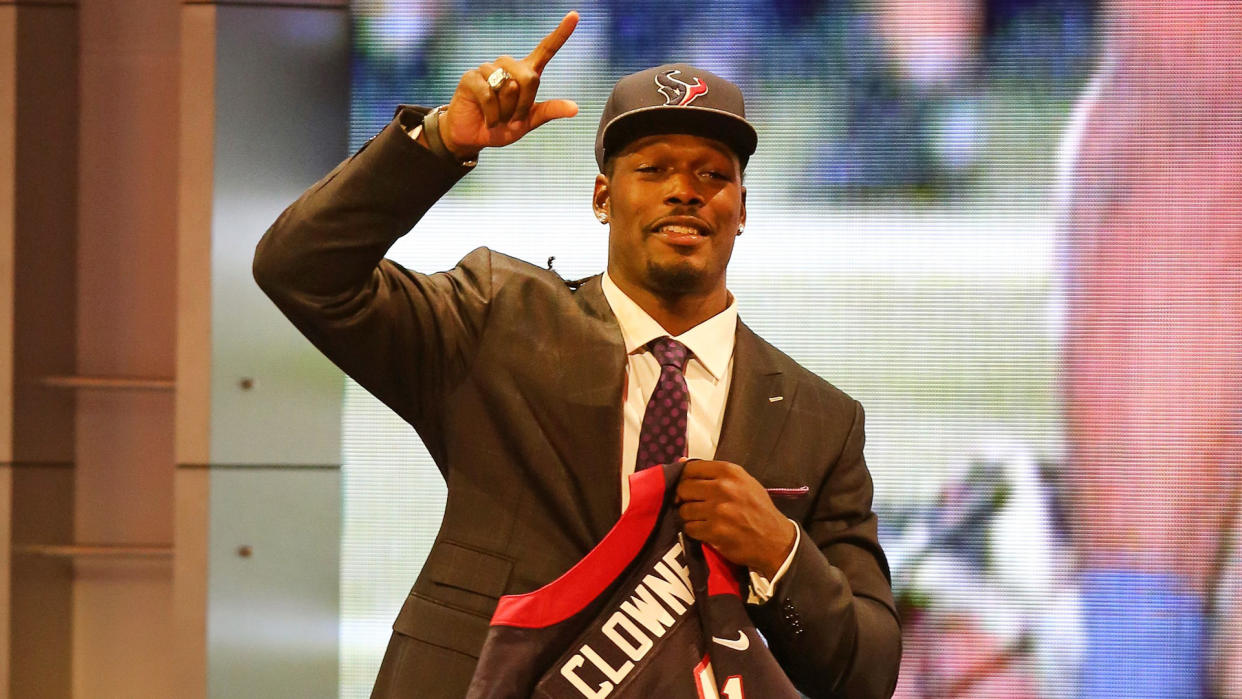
(705, 681)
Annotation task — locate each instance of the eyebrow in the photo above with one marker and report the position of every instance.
(713, 157)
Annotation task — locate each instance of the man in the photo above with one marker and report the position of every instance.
(531, 394)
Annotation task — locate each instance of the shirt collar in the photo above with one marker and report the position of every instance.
(711, 341)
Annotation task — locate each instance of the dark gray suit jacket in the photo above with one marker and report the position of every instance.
(514, 380)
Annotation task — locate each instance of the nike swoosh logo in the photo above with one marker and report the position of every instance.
(742, 642)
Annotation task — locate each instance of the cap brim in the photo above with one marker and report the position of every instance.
(730, 129)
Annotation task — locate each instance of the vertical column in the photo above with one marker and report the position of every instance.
(264, 114)
(195, 154)
(8, 141)
(192, 422)
(125, 268)
(43, 191)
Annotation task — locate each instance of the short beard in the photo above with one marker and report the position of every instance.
(674, 280)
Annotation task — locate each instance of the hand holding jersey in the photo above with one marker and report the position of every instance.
(724, 506)
(645, 613)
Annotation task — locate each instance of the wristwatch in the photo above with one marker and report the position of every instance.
(430, 126)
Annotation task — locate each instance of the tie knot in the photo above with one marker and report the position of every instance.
(669, 352)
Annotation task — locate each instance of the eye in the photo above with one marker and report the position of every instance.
(646, 168)
(718, 175)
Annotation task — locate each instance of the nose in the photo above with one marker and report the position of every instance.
(683, 189)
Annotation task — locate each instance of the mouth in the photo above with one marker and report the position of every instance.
(681, 230)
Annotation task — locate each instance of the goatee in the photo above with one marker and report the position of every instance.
(675, 279)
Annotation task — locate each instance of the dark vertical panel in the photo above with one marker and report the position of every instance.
(44, 344)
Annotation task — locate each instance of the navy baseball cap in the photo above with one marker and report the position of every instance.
(674, 98)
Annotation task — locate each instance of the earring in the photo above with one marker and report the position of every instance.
(601, 216)
(741, 229)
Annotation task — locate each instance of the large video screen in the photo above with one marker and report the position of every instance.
(1010, 228)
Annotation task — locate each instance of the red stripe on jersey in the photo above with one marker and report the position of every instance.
(587, 580)
(720, 577)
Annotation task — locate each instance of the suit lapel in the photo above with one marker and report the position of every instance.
(592, 379)
(760, 394)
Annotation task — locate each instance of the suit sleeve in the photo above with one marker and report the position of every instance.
(832, 622)
(405, 337)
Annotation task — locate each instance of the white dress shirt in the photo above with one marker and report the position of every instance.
(708, 374)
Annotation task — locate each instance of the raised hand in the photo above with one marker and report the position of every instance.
(480, 116)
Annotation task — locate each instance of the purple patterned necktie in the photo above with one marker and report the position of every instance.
(662, 437)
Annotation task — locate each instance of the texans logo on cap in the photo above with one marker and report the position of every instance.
(676, 92)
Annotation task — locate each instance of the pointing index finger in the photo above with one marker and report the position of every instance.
(553, 42)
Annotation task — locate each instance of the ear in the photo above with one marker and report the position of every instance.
(600, 198)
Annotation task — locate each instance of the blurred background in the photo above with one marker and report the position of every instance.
(1010, 228)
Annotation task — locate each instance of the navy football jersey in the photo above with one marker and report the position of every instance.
(646, 613)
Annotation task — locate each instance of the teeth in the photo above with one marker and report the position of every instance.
(679, 230)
